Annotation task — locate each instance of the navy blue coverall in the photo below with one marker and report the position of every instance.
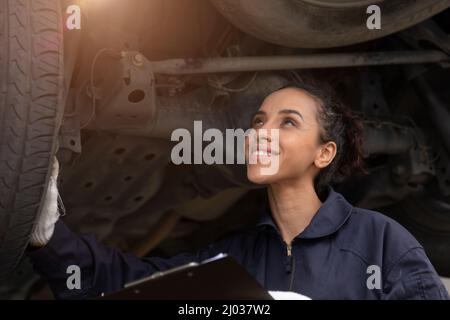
(336, 257)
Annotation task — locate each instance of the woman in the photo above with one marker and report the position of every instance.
(310, 241)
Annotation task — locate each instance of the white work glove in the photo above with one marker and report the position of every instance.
(45, 225)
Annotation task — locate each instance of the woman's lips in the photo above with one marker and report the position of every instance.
(263, 156)
(264, 151)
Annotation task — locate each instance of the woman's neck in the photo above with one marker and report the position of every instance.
(293, 205)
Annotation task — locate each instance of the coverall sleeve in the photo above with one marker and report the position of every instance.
(414, 277)
(102, 269)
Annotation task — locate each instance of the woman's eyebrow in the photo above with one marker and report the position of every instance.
(291, 111)
(259, 112)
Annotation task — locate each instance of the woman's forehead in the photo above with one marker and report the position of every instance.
(290, 98)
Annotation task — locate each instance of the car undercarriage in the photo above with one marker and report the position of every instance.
(135, 72)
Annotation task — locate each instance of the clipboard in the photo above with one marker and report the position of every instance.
(218, 278)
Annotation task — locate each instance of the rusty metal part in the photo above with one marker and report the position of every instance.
(130, 97)
(173, 113)
(387, 137)
(69, 136)
(216, 109)
(306, 61)
(383, 186)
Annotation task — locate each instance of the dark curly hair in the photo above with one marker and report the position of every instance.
(339, 124)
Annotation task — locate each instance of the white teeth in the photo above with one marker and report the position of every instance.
(262, 153)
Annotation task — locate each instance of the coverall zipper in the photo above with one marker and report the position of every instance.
(290, 267)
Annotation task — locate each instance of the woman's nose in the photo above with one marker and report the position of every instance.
(266, 135)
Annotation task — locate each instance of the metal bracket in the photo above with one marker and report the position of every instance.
(69, 137)
(132, 99)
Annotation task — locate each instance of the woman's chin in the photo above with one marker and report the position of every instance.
(255, 175)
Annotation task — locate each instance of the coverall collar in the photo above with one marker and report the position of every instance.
(333, 213)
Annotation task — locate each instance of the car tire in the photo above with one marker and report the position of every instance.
(323, 23)
(31, 108)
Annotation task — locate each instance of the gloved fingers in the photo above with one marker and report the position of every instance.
(51, 197)
(49, 213)
(55, 169)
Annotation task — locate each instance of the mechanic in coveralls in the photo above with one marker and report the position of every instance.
(311, 241)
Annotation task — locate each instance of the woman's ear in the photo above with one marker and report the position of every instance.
(326, 154)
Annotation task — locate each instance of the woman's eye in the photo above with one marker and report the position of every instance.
(257, 122)
(288, 122)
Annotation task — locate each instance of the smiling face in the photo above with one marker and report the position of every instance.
(300, 152)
